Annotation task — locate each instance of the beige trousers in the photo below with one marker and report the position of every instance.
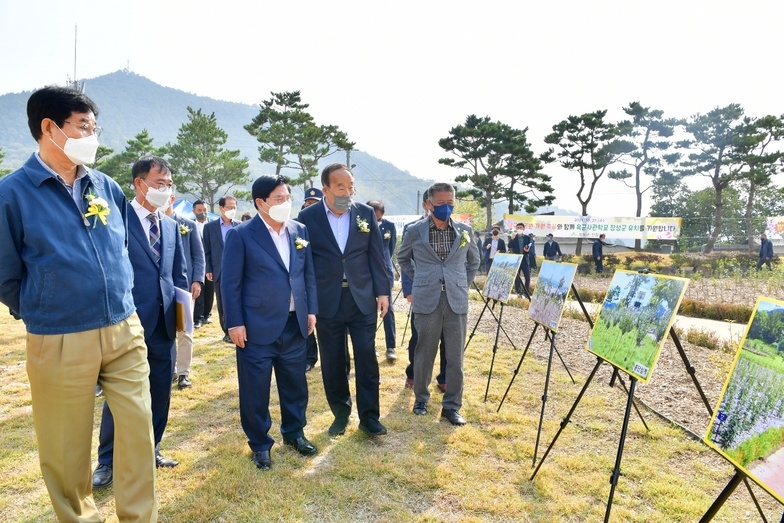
(63, 370)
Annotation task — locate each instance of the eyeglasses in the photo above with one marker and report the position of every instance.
(277, 200)
(162, 186)
(87, 129)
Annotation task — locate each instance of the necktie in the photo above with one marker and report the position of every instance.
(155, 237)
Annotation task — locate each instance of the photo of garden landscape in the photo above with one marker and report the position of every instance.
(501, 276)
(635, 318)
(553, 284)
(748, 425)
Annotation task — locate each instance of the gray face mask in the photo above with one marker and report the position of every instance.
(201, 216)
(342, 203)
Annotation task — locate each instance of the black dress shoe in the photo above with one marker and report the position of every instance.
(183, 382)
(338, 427)
(453, 416)
(160, 461)
(262, 459)
(197, 325)
(372, 427)
(302, 445)
(102, 477)
(420, 408)
(227, 339)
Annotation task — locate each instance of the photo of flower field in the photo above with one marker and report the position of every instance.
(635, 318)
(748, 423)
(501, 277)
(553, 284)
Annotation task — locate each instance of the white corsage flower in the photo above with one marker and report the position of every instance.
(387, 235)
(98, 207)
(184, 229)
(464, 238)
(362, 225)
(300, 243)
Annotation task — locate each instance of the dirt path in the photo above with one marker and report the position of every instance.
(771, 471)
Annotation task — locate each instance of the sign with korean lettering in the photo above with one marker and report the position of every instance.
(592, 226)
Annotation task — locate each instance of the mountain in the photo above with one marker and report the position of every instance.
(130, 103)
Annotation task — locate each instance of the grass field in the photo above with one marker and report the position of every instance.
(423, 471)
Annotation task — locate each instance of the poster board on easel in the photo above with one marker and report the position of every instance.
(747, 426)
(635, 318)
(501, 277)
(552, 286)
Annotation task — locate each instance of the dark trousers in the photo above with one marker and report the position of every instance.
(311, 352)
(161, 355)
(441, 378)
(389, 327)
(334, 359)
(220, 307)
(202, 308)
(526, 272)
(599, 267)
(255, 364)
(488, 264)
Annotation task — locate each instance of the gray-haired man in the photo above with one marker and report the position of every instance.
(446, 262)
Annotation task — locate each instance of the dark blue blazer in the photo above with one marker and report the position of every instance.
(766, 250)
(193, 249)
(596, 249)
(153, 285)
(363, 261)
(213, 247)
(259, 285)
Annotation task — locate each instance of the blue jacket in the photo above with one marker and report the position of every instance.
(766, 250)
(192, 248)
(59, 271)
(260, 286)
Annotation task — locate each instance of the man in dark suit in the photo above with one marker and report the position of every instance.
(156, 254)
(194, 263)
(312, 196)
(492, 245)
(214, 236)
(766, 252)
(202, 308)
(551, 250)
(596, 252)
(521, 244)
(352, 285)
(270, 278)
(389, 238)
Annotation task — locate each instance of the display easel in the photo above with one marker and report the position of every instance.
(737, 478)
(617, 468)
(487, 307)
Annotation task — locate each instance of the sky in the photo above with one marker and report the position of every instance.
(397, 76)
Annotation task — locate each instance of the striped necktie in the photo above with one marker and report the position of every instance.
(155, 237)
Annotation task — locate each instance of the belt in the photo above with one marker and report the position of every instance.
(443, 287)
(344, 284)
(292, 313)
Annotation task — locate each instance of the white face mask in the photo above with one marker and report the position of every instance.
(157, 198)
(80, 151)
(280, 212)
(229, 213)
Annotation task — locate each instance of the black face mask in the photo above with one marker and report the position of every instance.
(495, 233)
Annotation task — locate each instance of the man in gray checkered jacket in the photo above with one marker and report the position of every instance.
(441, 258)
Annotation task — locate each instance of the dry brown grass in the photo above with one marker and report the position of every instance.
(423, 471)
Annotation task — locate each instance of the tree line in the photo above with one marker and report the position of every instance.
(649, 152)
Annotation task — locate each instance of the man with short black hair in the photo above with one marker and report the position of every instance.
(194, 264)
(493, 244)
(389, 237)
(158, 259)
(56, 209)
(214, 236)
(272, 309)
(596, 252)
(202, 307)
(765, 252)
(551, 250)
